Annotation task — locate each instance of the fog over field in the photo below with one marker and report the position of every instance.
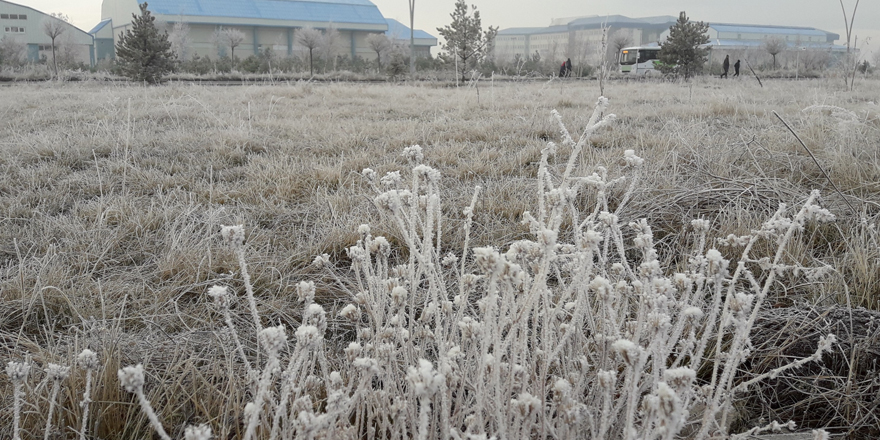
(509, 259)
(824, 14)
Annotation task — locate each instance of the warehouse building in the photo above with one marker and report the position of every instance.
(23, 27)
(399, 34)
(262, 23)
(580, 38)
(796, 45)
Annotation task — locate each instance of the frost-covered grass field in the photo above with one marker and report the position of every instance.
(454, 313)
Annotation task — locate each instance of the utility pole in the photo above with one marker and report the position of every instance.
(412, 40)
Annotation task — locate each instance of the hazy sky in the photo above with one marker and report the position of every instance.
(823, 14)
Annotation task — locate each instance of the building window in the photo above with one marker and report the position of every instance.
(4, 16)
(22, 17)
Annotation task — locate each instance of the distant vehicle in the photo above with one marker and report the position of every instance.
(639, 60)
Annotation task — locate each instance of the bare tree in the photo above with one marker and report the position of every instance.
(774, 46)
(619, 39)
(179, 38)
(310, 38)
(329, 46)
(380, 44)
(230, 37)
(53, 26)
(12, 51)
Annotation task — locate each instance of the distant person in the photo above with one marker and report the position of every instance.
(726, 66)
(565, 69)
(736, 69)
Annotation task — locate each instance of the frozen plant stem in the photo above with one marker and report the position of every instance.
(88, 360)
(56, 374)
(132, 379)
(234, 235)
(17, 372)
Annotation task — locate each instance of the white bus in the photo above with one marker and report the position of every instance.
(639, 59)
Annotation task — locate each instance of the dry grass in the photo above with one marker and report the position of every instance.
(112, 197)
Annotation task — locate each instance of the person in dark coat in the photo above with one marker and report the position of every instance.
(725, 66)
(736, 69)
(562, 70)
(568, 67)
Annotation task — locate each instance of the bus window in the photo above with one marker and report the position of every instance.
(628, 56)
(646, 55)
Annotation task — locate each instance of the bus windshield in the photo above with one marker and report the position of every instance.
(628, 56)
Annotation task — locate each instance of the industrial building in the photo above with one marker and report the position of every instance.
(399, 34)
(22, 26)
(580, 38)
(264, 24)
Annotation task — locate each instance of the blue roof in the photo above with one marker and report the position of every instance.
(400, 31)
(99, 26)
(611, 20)
(533, 30)
(323, 11)
(721, 43)
(764, 29)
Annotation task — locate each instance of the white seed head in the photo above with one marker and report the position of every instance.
(201, 432)
(425, 379)
(627, 350)
(305, 291)
(680, 378)
(350, 312)
(631, 159)
(526, 404)
(234, 235)
(716, 263)
(607, 378)
(353, 350)
(369, 174)
(57, 373)
(273, 339)
(449, 260)
(131, 378)
(398, 295)
(322, 260)
(391, 179)
(413, 153)
(381, 246)
(308, 335)
(694, 313)
(603, 289)
(17, 371)
(364, 230)
(220, 295)
(87, 359)
(700, 225)
(608, 218)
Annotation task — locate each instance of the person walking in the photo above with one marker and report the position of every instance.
(736, 69)
(725, 65)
